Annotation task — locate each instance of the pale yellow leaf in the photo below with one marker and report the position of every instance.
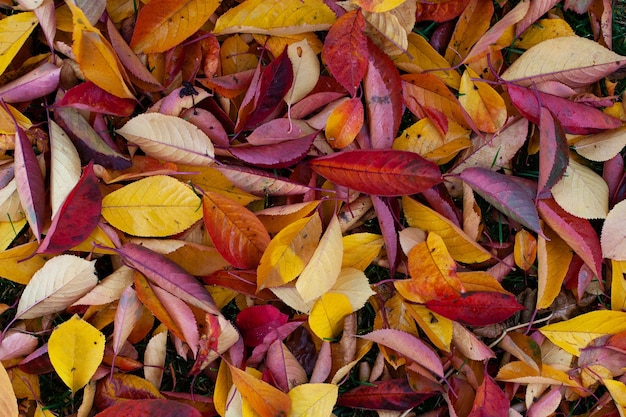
(306, 70)
(360, 249)
(76, 349)
(582, 192)
(327, 314)
(313, 400)
(152, 207)
(60, 282)
(437, 328)
(617, 389)
(601, 146)
(409, 237)
(353, 284)
(618, 285)
(15, 29)
(553, 259)
(289, 295)
(469, 344)
(154, 358)
(613, 237)
(378, 6)
(388, 30)
(10, 206)
(8, 401)
(9, 231)
(541, 30)
(109, 289)
(480, 281)
(322, 270)
(64, 166)
(571, 60)
(276, 17)
(16, 264)
(288, 252)
(576, 333)
(210, 179)
(169, 138)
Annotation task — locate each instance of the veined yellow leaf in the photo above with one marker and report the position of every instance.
(8, 401)
(210, 179)
(265, 399)
(582, 192)
(235, 55)
(64, 166)
(276, 17)
(321, 272)
(480, 281)
(288, 252)
(95, 55)
(553, 259)
(378, 6)
(353, 284)
(76, 349)
(7, 126)
(360, 249)
(277, 218)
(14, 30)
(523, 373)
(574, 334)
(313, 400)
(484, 105)
(16, 264)
(327, 314)
(437, 328)
(163, 24)
(617, 390)
(461, 247)
(525, 250)
(601, 146)
(9, 231)
(541, 30)
(154, 206)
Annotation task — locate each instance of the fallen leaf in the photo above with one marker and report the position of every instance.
(612, 237)
(581, 192)
(477, 308)
(266, 400)
(311, 400)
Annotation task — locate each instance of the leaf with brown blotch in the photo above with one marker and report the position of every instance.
(479, 308)
(379, 172)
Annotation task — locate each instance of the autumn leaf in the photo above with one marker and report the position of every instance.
(266, 400)
(15, 30)
(8, 401)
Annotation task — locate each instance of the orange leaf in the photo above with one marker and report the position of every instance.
(525, 249)
(163, 24)
(262, 397)
(344, 123)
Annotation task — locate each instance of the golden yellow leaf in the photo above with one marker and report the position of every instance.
(618, 285)
(235, 56)
(353, 284)
(276, 17)
(163, 24)
(582, 192)
(484, 105)
(480, 281)
(601, 146)
(95, 56)
(277, 218)
(14, 30)
(321, 272)
(461, 247)
(553, 259)
(261, 396)
(525, 250)
(523, 373)
(437, 328)
(576, 333)
(313, 400)
(8, 401)
(541, 30)
(617, 389)
(389, 30)
(14, 267)
(360, 249)
(9, 231)
(76, 349)
(151, 207)
(472, 24)
(288, 252)
(7, 125)
(327, 314)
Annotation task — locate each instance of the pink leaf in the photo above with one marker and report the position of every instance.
(275, 155)
(127, 314)
(37, 83)
(151, 408)
(77, 217)
(479, 308)
(388, 229)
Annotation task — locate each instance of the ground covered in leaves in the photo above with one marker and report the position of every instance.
(312, 208)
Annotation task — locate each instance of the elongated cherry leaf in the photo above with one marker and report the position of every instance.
(30, 183)
(578, 233)
(77, 217)
(554, 155)
(88, 96)
(167, 275)
(275, 155)
(392, 394)
(504, 194)
(478, 308)
(388, 229)
(150, 407)
(260, 182)
(575, 118)
(37, 83)
(379, 172)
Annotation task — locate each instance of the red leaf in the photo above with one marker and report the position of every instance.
(554, 155)
(383, 97)
(576, 232)
(120, 388)
(440, 11)
(490, 400)
(77, 217)
(229, 86)
(575, 118)
(257, 321)
(379, 172)
(88, 96)
(150, 408)
(345, 50)
(275, 155)
(392, 394)
(479, 308)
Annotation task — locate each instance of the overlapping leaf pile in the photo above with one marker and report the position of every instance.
(316, 207)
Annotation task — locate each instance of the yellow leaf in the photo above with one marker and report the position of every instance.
(16, 264)
(617, 390)
(618, 285)
(97, 236)
(313, 400)
(163, 24)
(601, 146)
(472, 24)
(484, 105)
(461, 247)
(344, 123)
(321, 272)
(14, 30)
(327, 314)
(574, 334)
(582, 192)
(261, 396)
(210, 179)
(613, 240)
(353, 284)
(169, 138)
(388, 30)
(554, 257)
(360, 249)
(95, 55)
(9, 231)
(152, 207)
(523, 373)
(235, 56)
(437, 328)
(7, 125)
(525, 250)
(76, 349)
(277, 218)
(306, 70)
(541, 30)
(276, 17)
(422, 57)
(8, 401)
(288, 252)
(480, 281)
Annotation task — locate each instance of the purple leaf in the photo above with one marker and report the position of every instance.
(168, 275)
(504, 194)
(554, 153)
(275, 155)
(388, 228)
(77, 217)
(37, 83)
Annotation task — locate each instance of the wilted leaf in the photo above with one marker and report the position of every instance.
(306, 70)
(8, 402)
(76, 349)
(602, 146)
